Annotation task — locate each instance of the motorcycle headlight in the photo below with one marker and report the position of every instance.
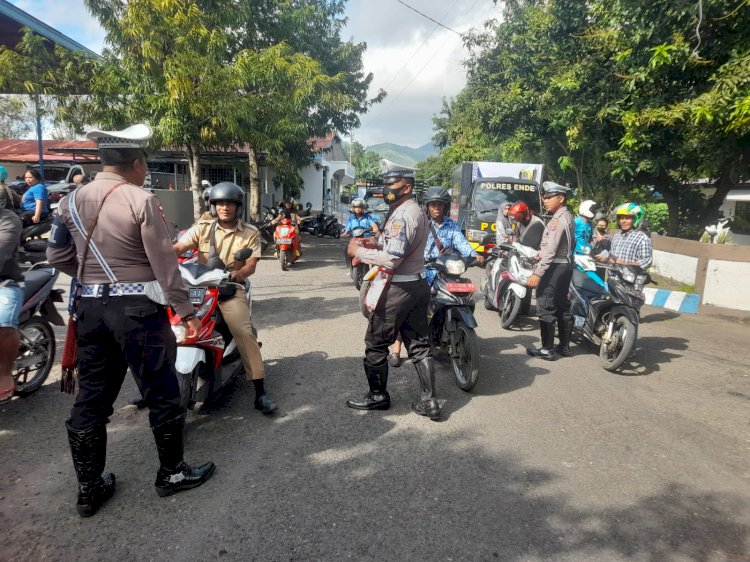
(205, 307)
(455, 267)
(475, 235)
(627, 274)
(180, 332)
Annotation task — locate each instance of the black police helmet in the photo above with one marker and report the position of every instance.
(438, 195)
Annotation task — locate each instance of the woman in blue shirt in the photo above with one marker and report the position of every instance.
(34, 204)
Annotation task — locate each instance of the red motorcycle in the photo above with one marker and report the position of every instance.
(208, 363)
(286, 238)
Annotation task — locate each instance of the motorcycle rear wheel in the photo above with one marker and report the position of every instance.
(283, 258)
(624, 334)
(465, 357)
(37, 337)
(509, 308)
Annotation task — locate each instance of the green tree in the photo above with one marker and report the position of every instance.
(16, 118)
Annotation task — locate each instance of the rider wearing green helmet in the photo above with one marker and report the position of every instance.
(630, 246)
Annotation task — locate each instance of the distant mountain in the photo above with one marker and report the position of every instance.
(405, 155)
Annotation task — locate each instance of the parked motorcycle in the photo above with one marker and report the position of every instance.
(266, 228)
(357, 268)
(284, 239)
(509, 268)
(36, 354)
(33, 247)
(326, 225)
(208, 363)
(607, 314)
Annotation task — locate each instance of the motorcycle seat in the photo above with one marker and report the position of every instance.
(33, 281)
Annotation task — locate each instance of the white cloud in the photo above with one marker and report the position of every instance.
(397, 57)
(69, 17)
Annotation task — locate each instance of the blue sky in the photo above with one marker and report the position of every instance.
(417, 62)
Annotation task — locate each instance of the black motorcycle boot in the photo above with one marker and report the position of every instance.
(428, 405)
(174, 474)
(547, 351)
(378, 397)
(88, 448)
(566, 329)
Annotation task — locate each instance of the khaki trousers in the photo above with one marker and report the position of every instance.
(236, 316)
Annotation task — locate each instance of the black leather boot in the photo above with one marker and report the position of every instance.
(88, 447)
(566, 328)
(378, 397)
(174, 474)
(428, 404)
(547, 351)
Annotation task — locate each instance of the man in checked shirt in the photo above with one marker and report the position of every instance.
(630, 246)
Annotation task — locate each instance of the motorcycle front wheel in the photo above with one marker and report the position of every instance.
(509, 308)
(284, 260)
(465, 357)
(362, 294)
(35, 356)
(358, 274)
(614, 353)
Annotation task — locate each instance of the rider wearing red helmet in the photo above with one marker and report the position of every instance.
(521, 216)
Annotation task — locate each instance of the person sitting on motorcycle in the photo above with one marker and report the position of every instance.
(630, 246)
(360, 218)
(438, 203)
(287, 213)
(34, 203)
(231, 234)
(584, 231)
(502, 224)
(206, 194)
(11, 300)
(520, 218)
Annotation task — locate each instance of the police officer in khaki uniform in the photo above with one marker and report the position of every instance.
(231, 234)
(552, 274)
(402, 307)
(128, 274)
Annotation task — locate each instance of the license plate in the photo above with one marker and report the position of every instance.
(461, 287)
(283, 241)
(197, 294)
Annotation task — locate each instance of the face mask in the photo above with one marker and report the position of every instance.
(601, 230)
(393, 196)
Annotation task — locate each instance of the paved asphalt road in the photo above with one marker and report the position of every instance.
(560, 461)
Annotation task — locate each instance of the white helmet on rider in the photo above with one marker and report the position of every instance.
(586, 209)
(359, 203)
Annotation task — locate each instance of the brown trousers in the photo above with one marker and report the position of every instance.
(237, 317)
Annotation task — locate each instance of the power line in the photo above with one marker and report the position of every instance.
(388, 102)
(411, 57)
(428, 17)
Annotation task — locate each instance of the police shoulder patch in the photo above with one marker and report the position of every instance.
(553, 224)
(396, 228)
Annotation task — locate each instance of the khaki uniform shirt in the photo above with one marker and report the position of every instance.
(228, 241)
(131, 234)
(402, 241)
(556, 241)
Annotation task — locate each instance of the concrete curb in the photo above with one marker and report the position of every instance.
(673, 300)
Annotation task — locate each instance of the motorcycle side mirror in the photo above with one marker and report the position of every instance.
(308, 205)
